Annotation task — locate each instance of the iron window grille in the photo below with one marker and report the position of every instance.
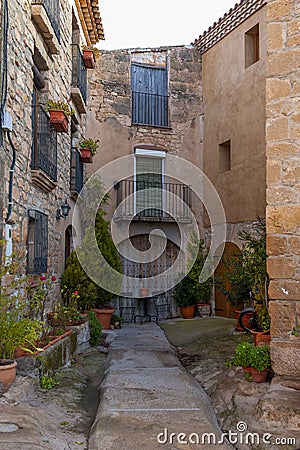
(44, 149)
(150, 99)
(79, 71)
(76, 176)
(52, 10)
(37, 242)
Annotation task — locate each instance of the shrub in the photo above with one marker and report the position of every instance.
(95, 328)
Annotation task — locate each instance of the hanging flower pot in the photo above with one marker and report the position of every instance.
(86, 155)
(59, 115)
(88, 148)
(88, 59)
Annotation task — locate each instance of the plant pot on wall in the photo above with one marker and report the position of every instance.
(59, 120)
(104, 316)
(86, 155)
(88, 59)
(261, 338)
(8, 370)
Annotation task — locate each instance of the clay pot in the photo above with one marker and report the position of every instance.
(104, 316)
(259, 377)
(86, 155)
(8, 371)
(59, 120)
(187, 312)
(88, 59)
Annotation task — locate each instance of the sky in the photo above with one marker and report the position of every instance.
(154, 23)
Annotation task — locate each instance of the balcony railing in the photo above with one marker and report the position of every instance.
(153, 201)
(52, 10)
(150, 109)
(76, 179)
(79, 72)
(44, 144)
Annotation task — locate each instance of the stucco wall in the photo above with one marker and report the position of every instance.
(234, 109)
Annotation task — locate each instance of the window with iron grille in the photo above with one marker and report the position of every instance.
(76, 172)
(149, 87)
(44, 140)
(37, 242)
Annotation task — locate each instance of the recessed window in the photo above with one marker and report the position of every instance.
(224, 156)
(252, 46)
(37, 242)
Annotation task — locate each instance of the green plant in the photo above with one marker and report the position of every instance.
(115, 318)
(95, 50)
(47, 382)
(250, 355)
(60, 106)
(296, 331)
(189, 291)
(64, 314)
(95, 328)
(17, 333)
(91, 144)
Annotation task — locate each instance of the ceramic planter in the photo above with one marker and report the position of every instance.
(204, 309)
(259, 377)
(187, 312)
(88, 59)
(59, 120)
(8, 371)
(104, 316)
(86, 155)
(261, 338)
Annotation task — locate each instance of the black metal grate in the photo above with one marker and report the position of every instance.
(37, 242)
(76, 179)
(149, 109)
(52, 10)
(44, 144)
(79, 71)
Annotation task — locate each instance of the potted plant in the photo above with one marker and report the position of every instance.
(88, 148)
(90, 54)
(255, 361)
(59, 115)
(189, 292)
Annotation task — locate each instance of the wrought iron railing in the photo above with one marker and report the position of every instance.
(143, 200)
(44, 155)
(79, 71)
(76, 178)
(37, 242)
(52, 10)
(150, 109)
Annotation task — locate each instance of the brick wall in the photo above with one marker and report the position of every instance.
(283, 175)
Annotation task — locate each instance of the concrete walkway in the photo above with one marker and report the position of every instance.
(147, 395)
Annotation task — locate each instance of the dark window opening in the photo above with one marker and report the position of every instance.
(37, 261)
(225, 156)
(252, 46)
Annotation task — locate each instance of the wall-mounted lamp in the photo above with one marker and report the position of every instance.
(63, 211)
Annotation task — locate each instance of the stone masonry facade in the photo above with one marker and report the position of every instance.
(283, 175)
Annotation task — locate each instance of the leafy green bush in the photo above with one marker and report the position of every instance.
(95, 328)
(249, 355)
(47, 382)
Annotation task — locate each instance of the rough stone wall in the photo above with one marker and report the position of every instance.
(283, 174)
(24, 37)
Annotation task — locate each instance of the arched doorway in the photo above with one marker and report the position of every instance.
(223, 307)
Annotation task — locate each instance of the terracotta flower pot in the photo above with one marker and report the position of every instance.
(59, 120)
(86, 155)
(8, 371)
(259, 377)
(187, 312)
(261, 338)
(104, 316)
(88, 59)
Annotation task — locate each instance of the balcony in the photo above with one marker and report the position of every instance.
(79, 80)
(44, 151)
(45, 15)
(76, 175)
(149, 201)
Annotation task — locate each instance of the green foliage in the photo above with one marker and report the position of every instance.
(65, 315)
(17, 333)
(249, 355)
(47, 382)
(115, 318)
(95, 328)
(95, 50)
(91, 144)
(189, 291)
(60, 106)
(74, 278)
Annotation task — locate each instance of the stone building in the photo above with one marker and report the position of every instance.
(41, 59)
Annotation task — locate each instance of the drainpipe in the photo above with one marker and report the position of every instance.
(8, 221)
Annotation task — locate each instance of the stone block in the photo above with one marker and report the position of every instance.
(281, 150)
(293, 41)
(279, 9)
(292, 173)
(277, 129)
(277, 88)
(284, 290)
(283, 63)
(282, 318)
(278, 195)
(285, 357)
(294, 245)
(281, 267)
(276, 35)
(283, 219)
(276, 245)
(293, 27)
(274, 169)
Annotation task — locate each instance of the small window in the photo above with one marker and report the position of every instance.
(252, 46)
(224, 157)
(37, 242)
